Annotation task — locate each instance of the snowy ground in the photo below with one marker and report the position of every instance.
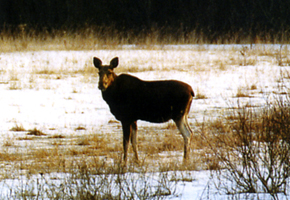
(201, 186)
(56, 92)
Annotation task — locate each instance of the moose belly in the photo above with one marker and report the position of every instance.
(157, 114)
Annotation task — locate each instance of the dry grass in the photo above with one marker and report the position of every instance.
(160, 149)
(62, 156)
(35, 132)
(199, 94)
(8, 142)
(250, 146)
(18, 127)
(15, 85)
(161, 146)
(106, 38)
(80, 128)
(214, 143)
(242, 92)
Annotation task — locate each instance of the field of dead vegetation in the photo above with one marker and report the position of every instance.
(54, 120)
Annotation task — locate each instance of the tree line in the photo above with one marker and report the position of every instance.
(210, 17)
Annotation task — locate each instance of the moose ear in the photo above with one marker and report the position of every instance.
(97, 62)
(114, 63)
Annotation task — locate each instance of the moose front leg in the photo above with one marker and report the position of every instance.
(126, 138)
(129, 132)
(134, 139)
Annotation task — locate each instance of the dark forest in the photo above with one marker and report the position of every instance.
(212, 18)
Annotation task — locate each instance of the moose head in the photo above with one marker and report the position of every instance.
(106, 73)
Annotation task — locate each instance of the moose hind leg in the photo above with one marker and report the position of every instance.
(134, 139)
(183, 127)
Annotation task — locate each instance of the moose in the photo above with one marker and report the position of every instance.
(131, 99)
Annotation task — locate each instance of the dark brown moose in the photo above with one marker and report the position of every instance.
(131, 99)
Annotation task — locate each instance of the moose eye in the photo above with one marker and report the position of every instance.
(103, 73)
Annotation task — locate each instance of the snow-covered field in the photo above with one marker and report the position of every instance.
(56, 92)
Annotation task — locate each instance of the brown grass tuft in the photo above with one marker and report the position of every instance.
(199, 94)
(18, 128)
(35, 132)
(80, 128)
(242, 93)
